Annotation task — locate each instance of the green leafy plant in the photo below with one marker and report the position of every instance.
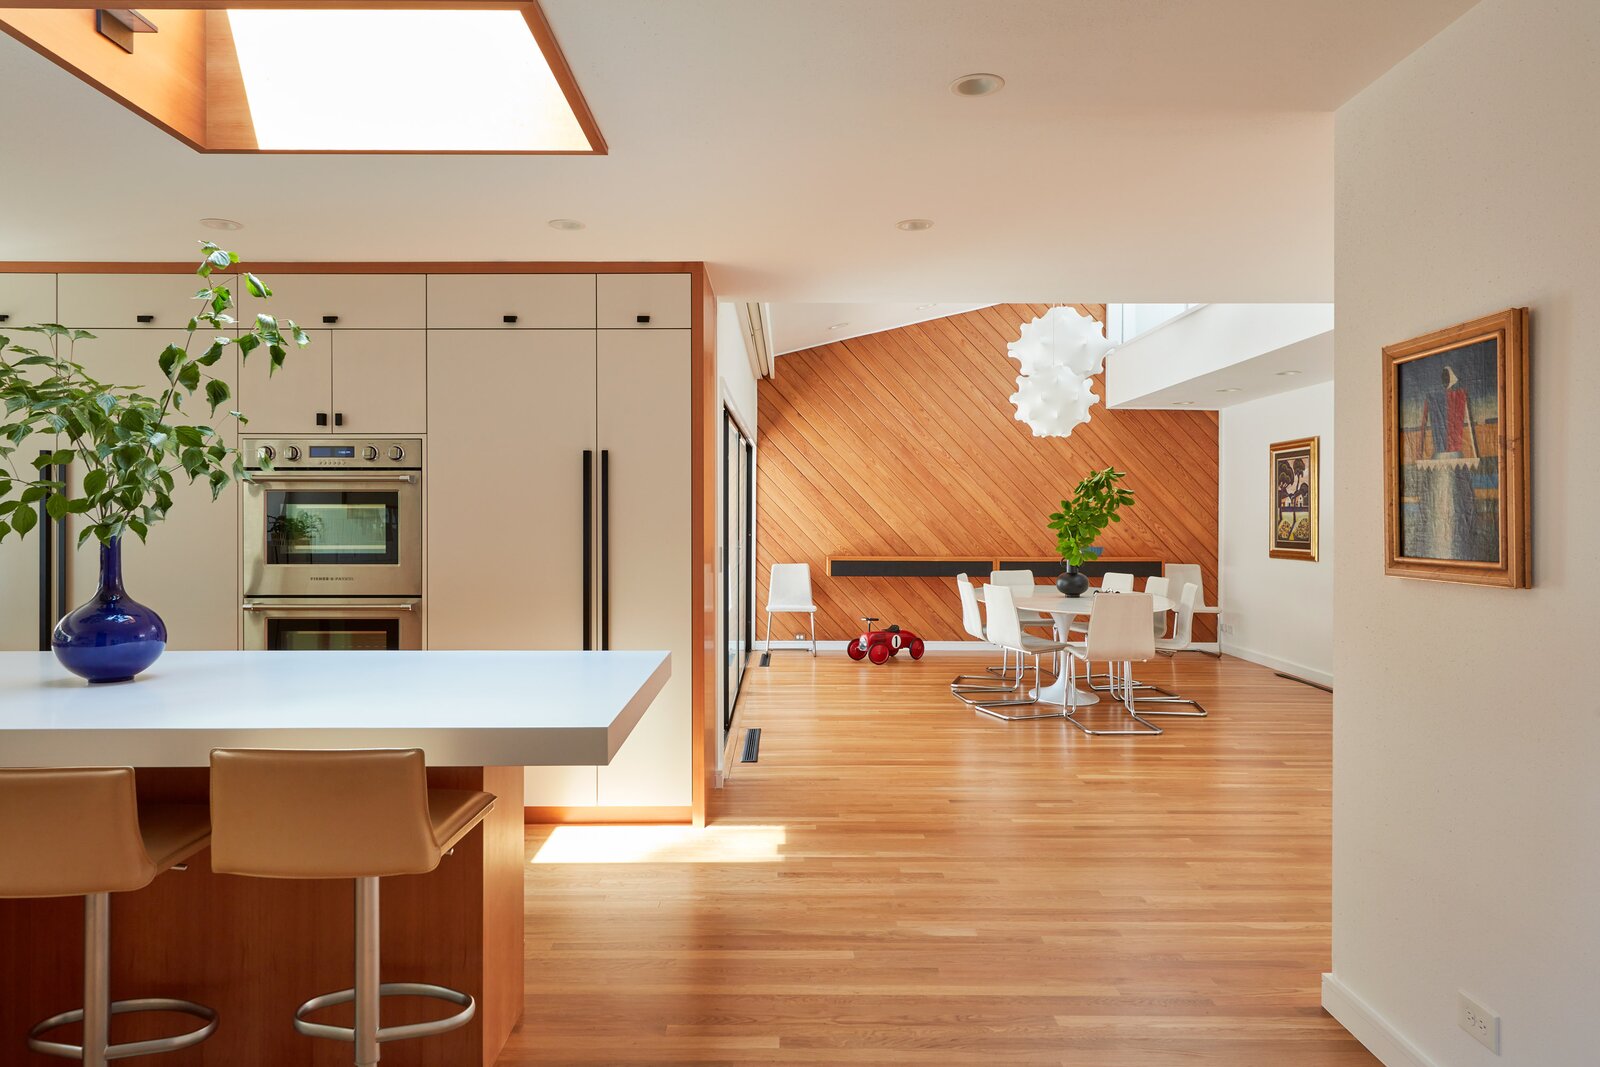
(1084, 516)
(130, 443)
(294, 527)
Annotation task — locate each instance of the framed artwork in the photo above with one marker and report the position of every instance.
(1456, 478)
(1294, 499)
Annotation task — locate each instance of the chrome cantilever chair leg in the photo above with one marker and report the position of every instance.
(986, 707)
(988, 676)
(1167, 696)
(1125, 695)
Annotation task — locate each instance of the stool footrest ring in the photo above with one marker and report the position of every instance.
(133, 1048)
(469, 1007)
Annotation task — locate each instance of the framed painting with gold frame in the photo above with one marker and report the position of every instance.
(1457, 506)
(1294, 483)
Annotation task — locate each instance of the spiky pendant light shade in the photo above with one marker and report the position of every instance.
(1060, 352)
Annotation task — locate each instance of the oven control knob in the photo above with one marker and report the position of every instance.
(292, 453)
(267, 452)
(396, 453)
(369, 453)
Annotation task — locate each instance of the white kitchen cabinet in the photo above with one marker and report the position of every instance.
(345, 301)
(643, 427)
(188, 571)
(27, 300)
(20, 565)
(643, 302)
(132, 301)
(363, 382)
(511, 301)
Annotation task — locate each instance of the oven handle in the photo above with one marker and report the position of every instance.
(341, 608)
(331, 476)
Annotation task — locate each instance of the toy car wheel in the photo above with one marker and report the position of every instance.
(878, 653)
(917, 648)
(855, 651)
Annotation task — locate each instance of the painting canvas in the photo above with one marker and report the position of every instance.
(1294, 477)
(1455, 413)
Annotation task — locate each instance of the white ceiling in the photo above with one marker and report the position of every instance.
(1143, 150)
(800, 326)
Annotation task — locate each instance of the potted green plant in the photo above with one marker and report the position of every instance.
(1083, 517)
(130, 445)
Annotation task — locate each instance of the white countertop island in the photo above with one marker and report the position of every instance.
(463, 709)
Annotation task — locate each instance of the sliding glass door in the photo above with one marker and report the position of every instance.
(738, 539)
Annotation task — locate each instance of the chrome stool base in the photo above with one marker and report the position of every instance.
(469, 1007)
(133, 1048)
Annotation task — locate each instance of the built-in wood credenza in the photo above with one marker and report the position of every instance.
(511, 371)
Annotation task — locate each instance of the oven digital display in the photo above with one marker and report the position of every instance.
(333, 451)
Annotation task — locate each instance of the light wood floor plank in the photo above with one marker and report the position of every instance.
(902, 881)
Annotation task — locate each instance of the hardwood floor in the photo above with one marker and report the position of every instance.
(902, 881)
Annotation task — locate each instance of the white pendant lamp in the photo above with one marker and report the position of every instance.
(1060, 352)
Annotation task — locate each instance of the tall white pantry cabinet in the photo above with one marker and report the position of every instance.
(558, 408)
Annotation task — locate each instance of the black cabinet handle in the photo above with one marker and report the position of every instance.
(588, 549)
(605, 548)
(144, 318)
(508, 318)
(338, 418)
(330, 319)
(641, 318)
(322, 418)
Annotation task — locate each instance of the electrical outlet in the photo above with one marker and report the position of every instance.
(1225, 629)
(799, 637)
(1480, 1022)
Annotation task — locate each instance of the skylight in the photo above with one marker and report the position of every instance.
(401, 81)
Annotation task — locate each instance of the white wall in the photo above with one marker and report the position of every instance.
(1279, 612)
(1466, 721)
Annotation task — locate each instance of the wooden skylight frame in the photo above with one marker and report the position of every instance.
(187, 79)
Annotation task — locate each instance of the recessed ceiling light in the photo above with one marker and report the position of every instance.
(1287, 373)
(1182, 403)
(221, 224)
(1230, 389)
(977, 84)
(925, 307)
(914, 225)
(565, 224)
(838, 326)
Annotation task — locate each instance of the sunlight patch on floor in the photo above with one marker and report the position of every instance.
(663, 844)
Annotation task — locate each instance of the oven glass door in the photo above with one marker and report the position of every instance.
(333, 534)
(333, 635)
(319, 526)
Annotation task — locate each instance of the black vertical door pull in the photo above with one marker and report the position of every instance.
(588, 549)
(605, 548)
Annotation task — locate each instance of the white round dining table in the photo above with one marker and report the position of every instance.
(1063, 609)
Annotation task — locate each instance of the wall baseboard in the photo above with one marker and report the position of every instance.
(1368, 1027)
(607, 816)
(838, 646)
(1287, 666)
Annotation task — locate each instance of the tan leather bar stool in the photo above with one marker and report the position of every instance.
(363, 815)
(82, 832)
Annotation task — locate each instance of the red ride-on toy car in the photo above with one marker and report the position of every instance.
(879, 645)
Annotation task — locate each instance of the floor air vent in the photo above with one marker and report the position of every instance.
(752, 746)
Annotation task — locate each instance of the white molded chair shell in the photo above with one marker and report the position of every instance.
(1116, 582)
(971, 615)
(1119, 629)
(1182, 574)
(789, 588)
(1159, 586)
(1021, 584)
(1183, 624)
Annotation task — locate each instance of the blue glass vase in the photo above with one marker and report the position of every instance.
(112, 637)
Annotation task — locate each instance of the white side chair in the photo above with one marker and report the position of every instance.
(1159, 586)
(1116, 582)
(1182, 631)
(1005, 630)
(1182, 574)
(1119, 633)
(1021, 584)
(972, 622)
(789, 593)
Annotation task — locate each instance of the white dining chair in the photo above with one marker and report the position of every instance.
(789, 593)
(1159, 586)
(1182, 634)
(972, 623)
(1021, 584)
(1119, 634)
(1116, 582)
(1182, 574)
(1005, 629)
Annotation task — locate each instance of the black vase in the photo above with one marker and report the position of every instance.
(1072, 582)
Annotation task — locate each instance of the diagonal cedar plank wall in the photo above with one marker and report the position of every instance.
(905, 443)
